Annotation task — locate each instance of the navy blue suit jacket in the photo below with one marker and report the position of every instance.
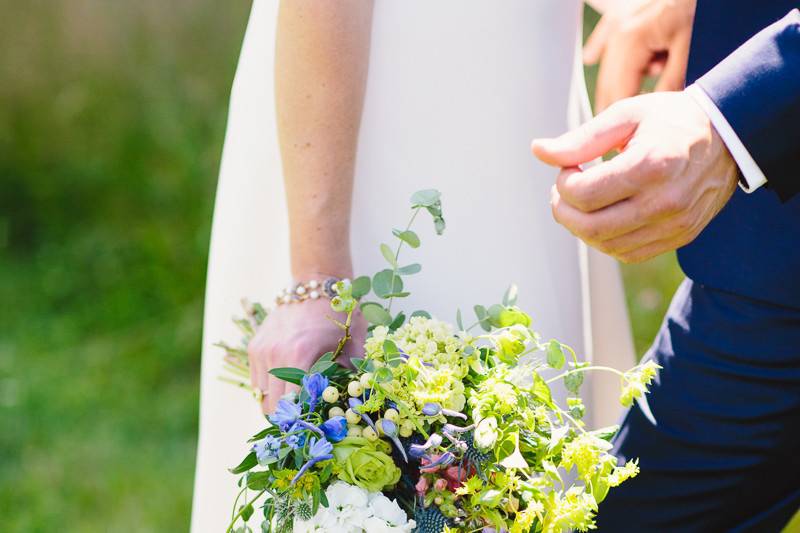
(746, 55)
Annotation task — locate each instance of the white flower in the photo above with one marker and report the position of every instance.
(352, 509)
(387, 510)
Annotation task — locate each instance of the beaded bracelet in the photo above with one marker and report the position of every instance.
(307, 290)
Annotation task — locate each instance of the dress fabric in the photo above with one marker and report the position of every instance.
(456, 90)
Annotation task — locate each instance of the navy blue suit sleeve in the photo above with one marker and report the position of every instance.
(757, 89)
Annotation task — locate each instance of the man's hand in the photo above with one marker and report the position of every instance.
(296, 335)
(637, 38)
(673, 176)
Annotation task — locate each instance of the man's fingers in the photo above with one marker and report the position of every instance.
(601, 185)
(596, 43)
(608, 130)
(598, 226)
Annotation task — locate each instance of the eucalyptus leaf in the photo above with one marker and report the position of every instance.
(425, 198)
(510, 297)
(408, 237)
(409, 269)
(374, 313)
(361, 287)
(483, 317)
(421, 313)
(386, 282)
(459, 321)
(388, 254)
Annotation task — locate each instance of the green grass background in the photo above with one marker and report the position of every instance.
(111, 125)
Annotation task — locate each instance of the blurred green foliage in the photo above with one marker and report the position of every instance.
(111, 128)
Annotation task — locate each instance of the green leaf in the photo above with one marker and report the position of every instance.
(388, 254)
(361, 286)
(510, 297)
(425, 198)
(407, 236)
(541, 390)
(438, 225)
(258, 480)
(247, 512)
(389, 347)
(421, 313)
(459, 321)
(358, 363)
(555, 355)
(491, 497)
(289, 374)
(385, 283)
(249, 462)
(573, 382)
(374, 313)
(383, 375)
(495, 311)
(397, 295)
(323, 499)
(409, 269)
(320, 367)
(398, 321)
(483, 317)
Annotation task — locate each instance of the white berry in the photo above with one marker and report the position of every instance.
(355, 389)
(333, 412)
(330, 394)
(391, 414)
(354, 431)
(369, 434)
(352, 417)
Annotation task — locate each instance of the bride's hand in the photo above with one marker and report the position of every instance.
(296, 335)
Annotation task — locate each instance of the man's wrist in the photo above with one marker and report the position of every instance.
(751, 176)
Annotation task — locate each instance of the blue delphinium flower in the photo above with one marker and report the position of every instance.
(313, 386)
(335, 429)
(285, 414)
(318, 450)
(267, 448)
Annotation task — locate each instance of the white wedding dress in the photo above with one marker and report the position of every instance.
(456, 91)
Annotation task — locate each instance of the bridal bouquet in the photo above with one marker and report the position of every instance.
(437, 428)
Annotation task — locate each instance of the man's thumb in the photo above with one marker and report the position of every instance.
(610, 129)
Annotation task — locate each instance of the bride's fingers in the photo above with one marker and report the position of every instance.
(596, 43)
(273, 390)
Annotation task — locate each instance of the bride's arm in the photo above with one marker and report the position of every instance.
(322, 53)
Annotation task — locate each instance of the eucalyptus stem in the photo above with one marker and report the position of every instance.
(397, 256)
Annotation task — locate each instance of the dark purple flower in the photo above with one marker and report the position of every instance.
(335, 429)
(313, 386)
(285, 414)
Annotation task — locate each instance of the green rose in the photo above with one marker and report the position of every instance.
(364, 465)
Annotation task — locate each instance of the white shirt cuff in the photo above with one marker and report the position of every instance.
(753, 176)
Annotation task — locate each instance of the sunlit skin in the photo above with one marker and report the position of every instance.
(637, 38)
(673, 175)
(322, 52)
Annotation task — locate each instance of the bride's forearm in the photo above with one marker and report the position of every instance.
(322, 54)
